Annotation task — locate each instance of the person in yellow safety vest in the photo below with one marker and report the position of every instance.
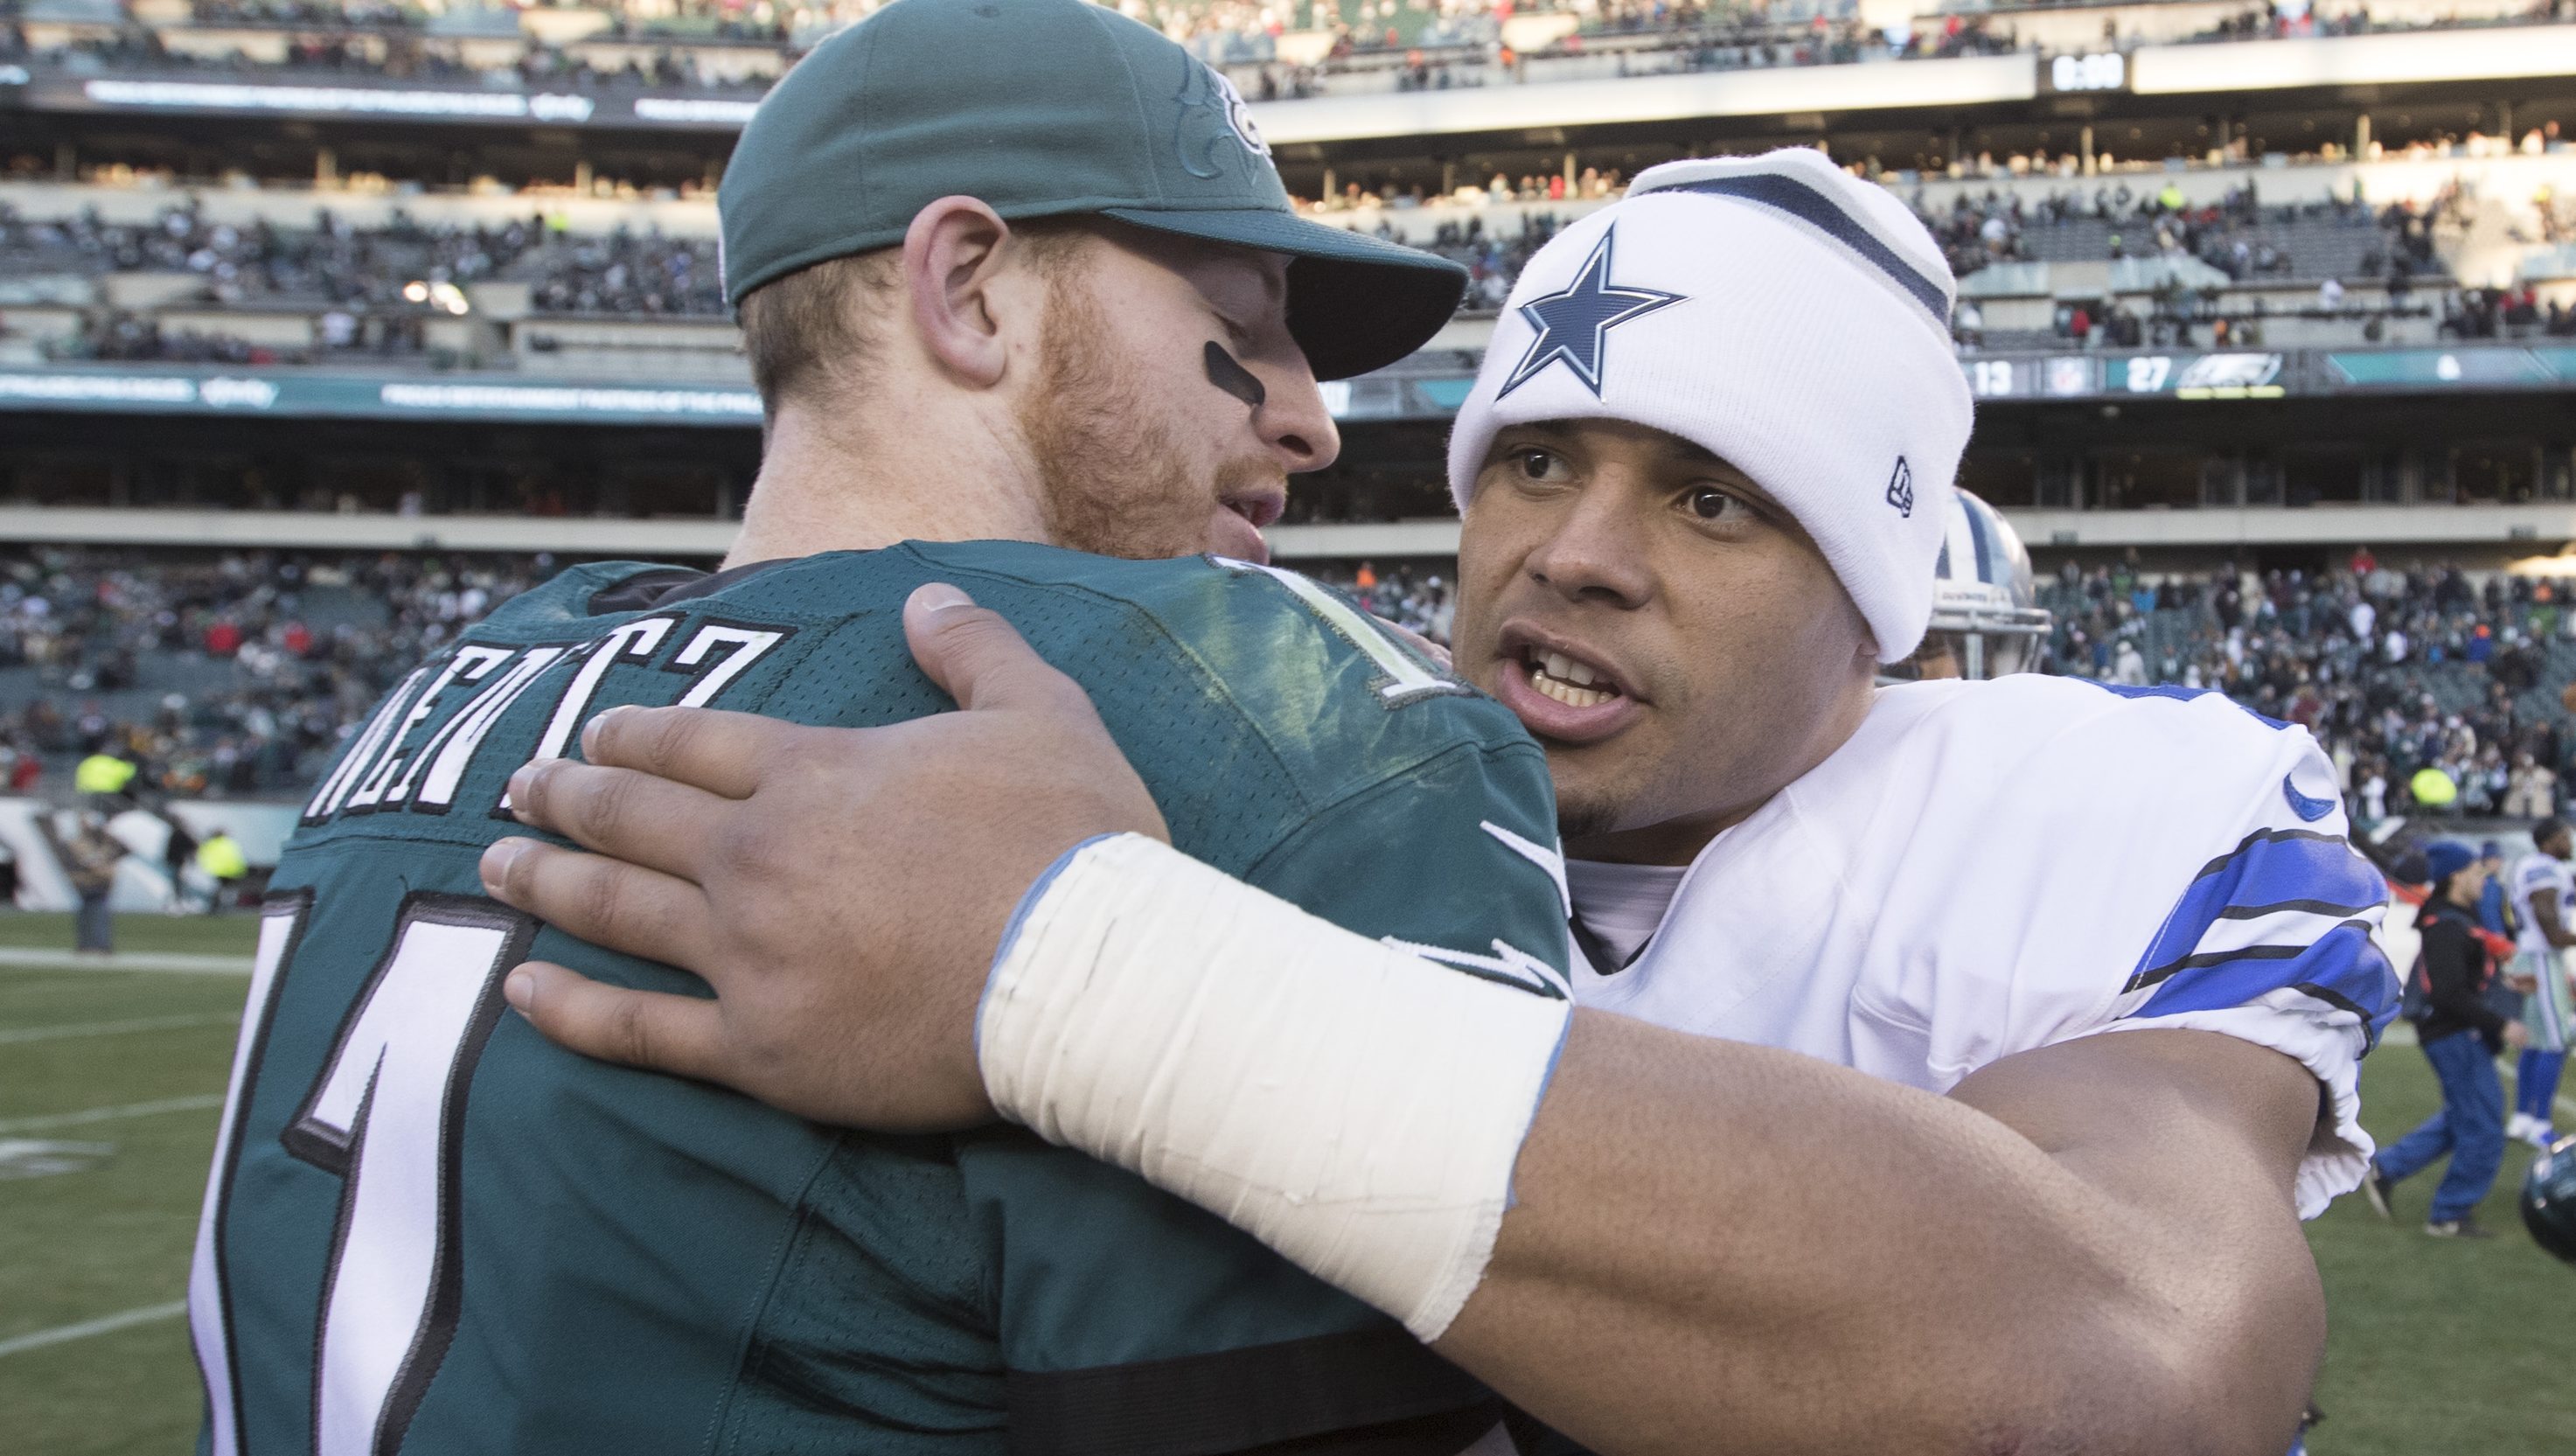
(221, 858)
(102, 773)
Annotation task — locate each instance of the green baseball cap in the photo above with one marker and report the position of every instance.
(1044, 108)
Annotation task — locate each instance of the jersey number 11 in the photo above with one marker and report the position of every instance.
(387, 1116)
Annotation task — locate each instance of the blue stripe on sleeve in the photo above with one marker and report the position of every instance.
(2180, 695)
(2277, 869)
(2343, 967)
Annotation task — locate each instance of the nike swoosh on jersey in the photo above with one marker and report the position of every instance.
(2310, 809)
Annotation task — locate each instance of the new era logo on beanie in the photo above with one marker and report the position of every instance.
(1778, 313)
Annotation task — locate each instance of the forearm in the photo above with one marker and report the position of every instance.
(1664, 1243)
(1719, 1247)
(2544, 914)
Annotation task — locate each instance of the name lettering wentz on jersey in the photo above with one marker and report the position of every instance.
(424, 1223)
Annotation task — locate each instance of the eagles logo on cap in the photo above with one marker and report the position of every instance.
(1204, 92)
(1050, 108)
(1238, 114)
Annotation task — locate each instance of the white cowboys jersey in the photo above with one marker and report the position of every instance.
(1991, 867)
(2538, 878)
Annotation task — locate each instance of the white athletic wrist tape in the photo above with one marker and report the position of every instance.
(1355, 1108)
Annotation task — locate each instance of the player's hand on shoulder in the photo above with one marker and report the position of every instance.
(842, 890)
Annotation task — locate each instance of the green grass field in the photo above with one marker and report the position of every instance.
(114, 1237)
(2436, 1347)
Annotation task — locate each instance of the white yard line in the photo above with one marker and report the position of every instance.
(35, 958)
(104, 1324)
(49, 1121)
(23, 1035)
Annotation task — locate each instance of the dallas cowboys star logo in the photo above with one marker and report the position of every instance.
(1574, 325)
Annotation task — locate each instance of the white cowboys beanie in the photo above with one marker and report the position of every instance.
(1787, 317)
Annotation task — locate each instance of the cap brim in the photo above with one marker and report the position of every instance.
(1355, 303)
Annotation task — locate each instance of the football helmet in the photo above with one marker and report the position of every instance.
(2549, 1199)
(1986, 617)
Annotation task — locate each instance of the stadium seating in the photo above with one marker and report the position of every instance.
(309, 285)
(549, 283)
(224, 675)
(231, 674)
(1275, 52)
(430, 294)
(2473, 684)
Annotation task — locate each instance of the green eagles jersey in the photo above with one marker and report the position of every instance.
(429, 1230)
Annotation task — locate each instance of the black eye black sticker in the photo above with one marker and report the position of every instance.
(1227, 373)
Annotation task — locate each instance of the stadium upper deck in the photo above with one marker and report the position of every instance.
(1365, 79)
(2321, 253)
(496, 313)
(2136, 336)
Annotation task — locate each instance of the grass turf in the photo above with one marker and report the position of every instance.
(115, 1236)
(184, 934)
(2434, 1346)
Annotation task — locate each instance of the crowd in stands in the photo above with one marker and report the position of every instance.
(1415, 597)
(1464, 53)
(631, 273)
(2331, 245)
(230, 675)
(240, 674)
(125, 338)
(2434, 691)
(1428, 44)
(2237, 235)
(393, 53)
(316, 14)
(2399, 669)
(1592, 184)
(1493, 257)
(1463, 40)
(2241, 238)
(360, 275)
(333, 262)
(366, 284)
(2505, 313)
(367, 281)
(2274, 21)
